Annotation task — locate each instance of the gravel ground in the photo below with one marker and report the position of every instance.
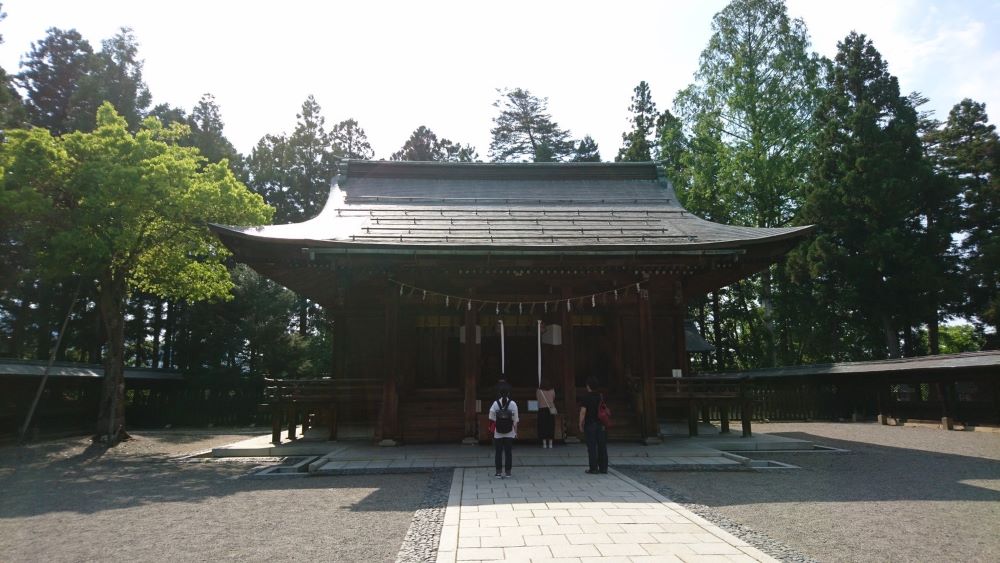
(65, 500)
(899, 494)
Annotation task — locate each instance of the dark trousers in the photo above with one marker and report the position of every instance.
(597, 446)
(503, 448)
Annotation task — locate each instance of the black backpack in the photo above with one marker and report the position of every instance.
(505, 418)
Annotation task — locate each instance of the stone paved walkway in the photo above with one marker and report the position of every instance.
(562, 514)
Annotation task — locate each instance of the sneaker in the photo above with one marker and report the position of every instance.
(498, 476)
(507, 476)
(591, 472)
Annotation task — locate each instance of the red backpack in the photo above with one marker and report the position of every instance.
(604, 413)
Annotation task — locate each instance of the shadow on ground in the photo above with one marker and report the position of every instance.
(60, 477)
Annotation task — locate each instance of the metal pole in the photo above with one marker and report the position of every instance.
(48, 367)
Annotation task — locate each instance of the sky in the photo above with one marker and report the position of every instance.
(394, 66)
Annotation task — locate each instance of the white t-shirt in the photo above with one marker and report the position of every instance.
(512, 407)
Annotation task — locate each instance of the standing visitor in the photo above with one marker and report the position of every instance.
(546, 396)
(503, 413)
(596, 433)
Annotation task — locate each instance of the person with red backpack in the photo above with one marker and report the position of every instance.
(503, 415)
(594, 420)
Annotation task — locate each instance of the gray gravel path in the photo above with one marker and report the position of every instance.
(899, 494)
(65, 501)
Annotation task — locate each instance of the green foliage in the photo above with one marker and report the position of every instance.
(207, 132)
(350, 141)
(51, 76)
(586, 150)
(294, 173)
(424, 145)
(864, 195)
(672, 146)
(524, 130)
(756, 84)
(967, 151)
(637, 143)
(960, 338)
(110, 204)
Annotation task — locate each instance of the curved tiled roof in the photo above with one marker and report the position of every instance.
(557, 206)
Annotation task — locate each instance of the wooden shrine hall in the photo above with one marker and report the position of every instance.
(441, 277)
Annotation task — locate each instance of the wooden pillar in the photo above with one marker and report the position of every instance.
(650, 423)
(276, 410)
(724, 417)
(470, 372)
(389, 419)
(570, 406)
(746, 409)
(947, 414)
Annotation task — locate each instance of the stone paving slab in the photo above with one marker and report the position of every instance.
(562, 514)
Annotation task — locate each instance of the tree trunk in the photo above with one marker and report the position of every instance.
(19, 330)
(720, 350)
(766, 299)
(891, 336)
(303, 317)
(111, 419)
(934, 335)
(43, 333)
(169, 336)
(157, 329)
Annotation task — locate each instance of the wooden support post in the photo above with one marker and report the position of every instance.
(331, 418)
(276, 409)
(947, 416)
(746, 410)
(389, 418)
(692, 418)
(292, 416)
(724, 418)
(650, 423)
(470, 371)
(569, 371)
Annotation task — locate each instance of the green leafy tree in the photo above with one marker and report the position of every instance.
(586, 150)
(672, 146)
(967, 150)
(115, 76)
(864, 196)
(524, 130)
(12, 112)
(638, 142)
(50, 76)
(424, 145)
(130, 212)
(294, 173)
(207, 132)
(757, 83)
(350, 141)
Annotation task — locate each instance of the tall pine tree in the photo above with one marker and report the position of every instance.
(864, 196)
(524, 130)
(638, 143)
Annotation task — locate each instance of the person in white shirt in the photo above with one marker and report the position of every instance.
(503, 413)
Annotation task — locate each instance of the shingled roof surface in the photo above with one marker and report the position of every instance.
(379, 203)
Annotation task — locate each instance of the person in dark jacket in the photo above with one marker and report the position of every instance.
(591, 427)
